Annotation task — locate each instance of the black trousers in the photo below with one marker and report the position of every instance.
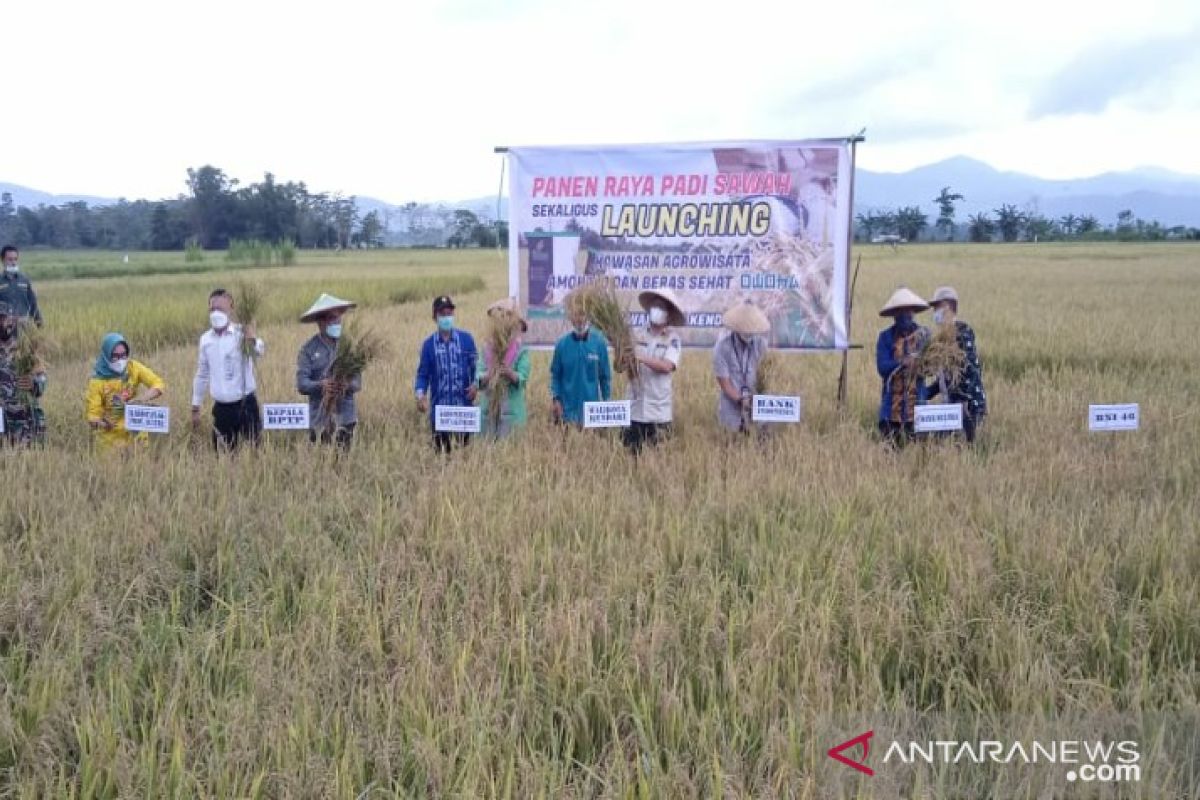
(234, 423)
(343, 437)
(445, 442)
(896, 434)
(640, 434)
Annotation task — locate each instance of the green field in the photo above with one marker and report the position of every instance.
(547, 618)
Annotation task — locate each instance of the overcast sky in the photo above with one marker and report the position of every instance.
(405, 100)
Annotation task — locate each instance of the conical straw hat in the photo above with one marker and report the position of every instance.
(508, 304)
(326, 302)
(675, 316)
(901, 299)
(747, 319)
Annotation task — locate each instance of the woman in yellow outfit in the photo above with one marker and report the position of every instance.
(115, 382)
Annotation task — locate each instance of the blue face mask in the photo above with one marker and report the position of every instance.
(904, 320)
(333, 330)
(446, 323)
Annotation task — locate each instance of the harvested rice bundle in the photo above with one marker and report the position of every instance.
(599, 301)
(764, 377)
(355, 352)
(504, 325)
(248, 305)
(942, 358)
(29, 356)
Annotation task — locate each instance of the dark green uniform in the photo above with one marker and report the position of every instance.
(16, 291)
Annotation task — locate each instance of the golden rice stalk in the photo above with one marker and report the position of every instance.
(248, 299)
(764, 376)
(355, 351)
(503, 326)
(599, 301)
(30, 349)
(942, 356)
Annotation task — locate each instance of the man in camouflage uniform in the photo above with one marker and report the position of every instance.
(24, 420)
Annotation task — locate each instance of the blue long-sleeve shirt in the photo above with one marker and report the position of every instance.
(446, 369)
(901, 392)
(580, 372)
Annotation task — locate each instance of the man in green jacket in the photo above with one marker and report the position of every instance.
(580, 371)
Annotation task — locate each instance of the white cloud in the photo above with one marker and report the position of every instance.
(406, 101)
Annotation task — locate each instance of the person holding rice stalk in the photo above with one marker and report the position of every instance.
(897, 354)
(116, 381)
(962, 380)
(579, 370)
(657, 350)
(736, 361)
(22, 382)
(226, 371)
(504, 370)
(332, 412)
(446, 372)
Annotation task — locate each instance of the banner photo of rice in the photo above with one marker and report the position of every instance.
(716, 223)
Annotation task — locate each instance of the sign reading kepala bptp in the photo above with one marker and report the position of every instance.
(775, 408)
(457, 419)
(606, 414)
(147, 419)
(285, 416)
(938, 418)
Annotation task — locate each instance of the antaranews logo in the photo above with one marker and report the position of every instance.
(1088, 761)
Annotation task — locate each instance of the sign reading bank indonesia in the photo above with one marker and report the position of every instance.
(716, 223)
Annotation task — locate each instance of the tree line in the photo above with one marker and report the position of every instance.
(214, 211)
(1008, 223)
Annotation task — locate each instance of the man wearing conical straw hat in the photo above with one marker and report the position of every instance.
(896, 354)
(504, 370)
(736, 358)
(313, 379)
(657, 348)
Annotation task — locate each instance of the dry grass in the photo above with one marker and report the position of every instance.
(297, 623)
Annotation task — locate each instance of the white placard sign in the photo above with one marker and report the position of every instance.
(775, 408)
(457, 419)
(938, 418)
(148, 419)
(606, 414)
(1, 420)
(285, 416)
(1124, 417)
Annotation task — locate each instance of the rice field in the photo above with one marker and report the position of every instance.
(546, 617)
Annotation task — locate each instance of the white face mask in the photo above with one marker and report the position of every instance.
(582, 329)
(11, 269)
(939, 315)
(118, 365)
(658, 316)
(218, 320)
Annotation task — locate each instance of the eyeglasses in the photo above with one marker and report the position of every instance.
(120, 354)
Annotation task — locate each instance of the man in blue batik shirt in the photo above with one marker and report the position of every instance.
(446, 371)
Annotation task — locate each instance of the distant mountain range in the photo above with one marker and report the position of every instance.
(1150, 192)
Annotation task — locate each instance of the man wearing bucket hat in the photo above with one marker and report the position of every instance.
(967, 387)
(657, 348)
(20, 395)
(896, 353)
(446, 371)
(735, 363)
(332, 412)
(502, 376)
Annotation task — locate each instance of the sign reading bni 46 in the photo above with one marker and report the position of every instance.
(775, 408)
(148, 419)
(606, 414)
(1124, 417)
(938, 418)
(457, 419)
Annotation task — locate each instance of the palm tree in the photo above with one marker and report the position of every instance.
(1068, 223)
(1009, 221)
(980, 227)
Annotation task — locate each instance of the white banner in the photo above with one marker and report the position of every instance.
(606, 414)
(285, 416)
(1123, 417)
(1, 420)
(938, 418)
(716, 223)
(147, 419)
(775, 408)
(457, 419)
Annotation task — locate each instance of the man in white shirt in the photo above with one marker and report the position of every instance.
(658, 352)
(226, 372)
